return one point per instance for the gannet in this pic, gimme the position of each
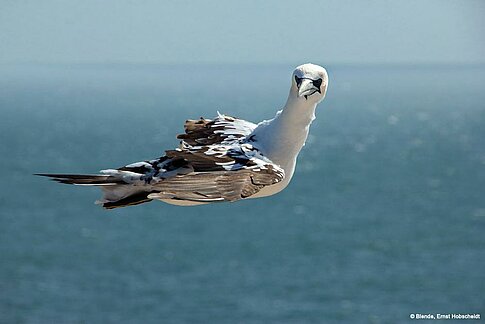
(225, 159)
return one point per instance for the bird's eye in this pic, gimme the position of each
(298, 80)
(317, 83)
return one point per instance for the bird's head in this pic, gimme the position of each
(309, 82)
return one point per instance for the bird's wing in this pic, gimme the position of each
(222, 129)
(207, 173)
(213, 163)
(216, 186)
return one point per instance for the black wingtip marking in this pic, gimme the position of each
(81, 179)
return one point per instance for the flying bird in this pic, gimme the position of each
(218, 160)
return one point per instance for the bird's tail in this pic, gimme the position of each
(117, 192)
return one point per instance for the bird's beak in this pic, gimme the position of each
(307, 88)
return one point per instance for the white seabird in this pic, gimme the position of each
(224, 159)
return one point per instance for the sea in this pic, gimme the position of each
(384, 218)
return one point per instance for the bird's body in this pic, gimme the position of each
(224, 159)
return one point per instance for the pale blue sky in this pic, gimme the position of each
(411, 31)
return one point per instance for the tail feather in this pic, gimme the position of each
(116, 192)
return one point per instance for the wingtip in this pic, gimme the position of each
(83, 179)
(52, 177)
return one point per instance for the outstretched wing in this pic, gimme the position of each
(215, 162)
(222, 129)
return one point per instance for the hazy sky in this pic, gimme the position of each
(242, 31)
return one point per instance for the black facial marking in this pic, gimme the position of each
(298, 81)
(317, 84)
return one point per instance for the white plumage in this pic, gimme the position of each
(225, 159)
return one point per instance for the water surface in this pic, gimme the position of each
(384, 217)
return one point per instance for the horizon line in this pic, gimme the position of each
(168, 64)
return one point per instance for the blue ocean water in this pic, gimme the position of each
(385, 215)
